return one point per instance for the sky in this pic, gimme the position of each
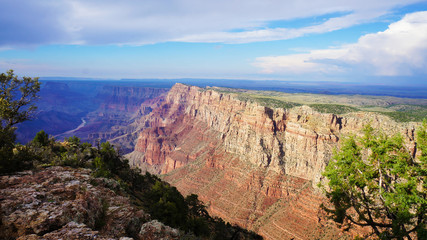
(360, 41)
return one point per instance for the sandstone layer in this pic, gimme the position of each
(253, 165)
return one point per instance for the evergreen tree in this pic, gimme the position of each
(17, 104)
(375, 181)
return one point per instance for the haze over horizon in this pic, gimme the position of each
(370, 42)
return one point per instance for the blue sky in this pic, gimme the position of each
(296, 40)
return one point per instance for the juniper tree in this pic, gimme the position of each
(375, 181)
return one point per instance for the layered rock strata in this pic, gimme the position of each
(114, 120)
(126, 99)
(253, 165)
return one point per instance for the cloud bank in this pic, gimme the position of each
(128, 22)
(401, 50)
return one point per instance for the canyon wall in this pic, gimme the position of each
(118, 108)
(252, 165)
(126, 99)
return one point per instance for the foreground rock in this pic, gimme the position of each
(156, 230)
(66, 203)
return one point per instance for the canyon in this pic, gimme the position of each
(255, 162)
(113, 120)
(253, 165)
(93, 111)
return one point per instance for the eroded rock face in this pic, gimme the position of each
(114, 119)
(65, 203)
(253, 165)
(126, 99)
(296, 142)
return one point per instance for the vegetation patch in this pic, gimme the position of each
(267, 101)
(406, 113)
(399, 109)
(333, 108)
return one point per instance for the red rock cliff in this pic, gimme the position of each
(253, 165)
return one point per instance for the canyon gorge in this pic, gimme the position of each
(254, 162)
(252, 165)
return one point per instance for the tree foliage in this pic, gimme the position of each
(375, 181)
(17, 98)
(17, 104)
(41, 139)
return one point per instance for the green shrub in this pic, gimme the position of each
(101, 169)
(41, 139)
(167, 204)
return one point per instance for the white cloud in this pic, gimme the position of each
(399, 50)
(140, 22)
(272, 34)
(300, 63)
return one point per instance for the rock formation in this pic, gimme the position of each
(253, 165)
(66, 203)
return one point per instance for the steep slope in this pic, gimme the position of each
(254, 165)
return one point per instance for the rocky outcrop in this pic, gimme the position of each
(66, 203)
(156, 230)
(253, 165)
(70, 231)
